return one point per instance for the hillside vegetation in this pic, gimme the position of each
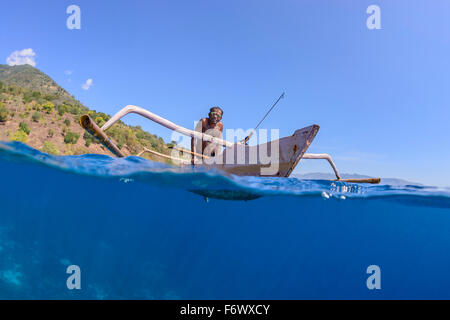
(37, 111)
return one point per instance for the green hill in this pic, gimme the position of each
(35, 110)
(32, 79)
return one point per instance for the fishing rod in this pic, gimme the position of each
(245, 141)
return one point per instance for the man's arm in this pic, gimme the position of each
(198, 128)
(219, 148)
(192, 150)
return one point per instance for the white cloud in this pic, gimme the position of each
(25, 56)
(68, 72)
(87, 85)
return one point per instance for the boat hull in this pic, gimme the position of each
(277, 158)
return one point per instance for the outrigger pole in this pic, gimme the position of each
(87, 123)
(327, 157)
(184, 161)
(190, 152)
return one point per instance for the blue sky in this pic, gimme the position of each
(381, 97)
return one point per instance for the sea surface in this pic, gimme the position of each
(143, 230)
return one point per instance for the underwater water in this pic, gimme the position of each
(143, 230)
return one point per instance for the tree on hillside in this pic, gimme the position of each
(48, 107)
(20, 136)
(100, 121)
(71, 137)
(36, 116)
(3, 113)
(62, 109)
(50, 148)
(24, 127)
(88, 139)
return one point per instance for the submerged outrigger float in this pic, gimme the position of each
(236, 158)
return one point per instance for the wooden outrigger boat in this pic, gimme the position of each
(237, 158)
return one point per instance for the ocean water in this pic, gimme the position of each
(143, 230)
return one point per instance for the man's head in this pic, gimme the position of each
(215, 115)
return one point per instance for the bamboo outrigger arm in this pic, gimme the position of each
(184, 161)
(326, 157)
(166, 123)
(204, 156)
(88, 124)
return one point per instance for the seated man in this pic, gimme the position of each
(211, 126)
